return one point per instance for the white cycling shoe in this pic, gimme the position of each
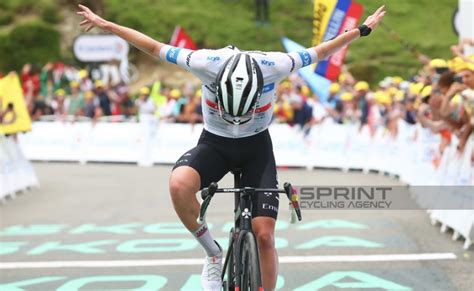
(211, 272)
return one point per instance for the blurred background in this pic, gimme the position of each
(90, 128)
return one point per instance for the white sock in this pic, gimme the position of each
(204, 237)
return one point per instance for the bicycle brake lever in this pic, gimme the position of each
(209, 191)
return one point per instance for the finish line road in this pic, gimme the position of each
(109, 227)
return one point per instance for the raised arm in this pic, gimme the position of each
(136, 38)
(329, 47)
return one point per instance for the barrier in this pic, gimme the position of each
(412, 155)
(16, 173)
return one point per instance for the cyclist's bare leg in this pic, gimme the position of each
(264, 229)
(184, 183)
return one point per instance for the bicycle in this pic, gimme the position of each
(242, 263)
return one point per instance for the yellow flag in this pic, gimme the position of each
(11, 94)
(322, 13)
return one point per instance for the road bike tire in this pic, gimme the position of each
(230, 264)
(251, 279)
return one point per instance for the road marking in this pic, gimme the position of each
(199, 261)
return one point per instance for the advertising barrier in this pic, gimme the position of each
(412, 155)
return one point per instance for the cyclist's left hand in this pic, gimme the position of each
(373, 20)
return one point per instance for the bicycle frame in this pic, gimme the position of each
(242, 219)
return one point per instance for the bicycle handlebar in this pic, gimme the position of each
(208, 193)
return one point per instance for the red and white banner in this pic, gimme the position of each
(181, 39)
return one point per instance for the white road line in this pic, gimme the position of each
(184, 262)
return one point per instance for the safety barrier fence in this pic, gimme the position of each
(412, 155)
(16, 172)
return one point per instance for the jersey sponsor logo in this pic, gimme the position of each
(305, 58)
(188, 59)
(172, 55)
(267, 88)
(213, 59)
(267, 63)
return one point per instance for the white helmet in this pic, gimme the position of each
(239, 85)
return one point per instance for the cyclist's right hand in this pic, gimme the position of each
(91, 19)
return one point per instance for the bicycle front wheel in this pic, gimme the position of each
(250, 278)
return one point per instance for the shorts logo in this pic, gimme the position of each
(172, 55)
(267, 63)
(267, 206)
(305, 58)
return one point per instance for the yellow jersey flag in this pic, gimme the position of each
(13, 112)
(322, 13)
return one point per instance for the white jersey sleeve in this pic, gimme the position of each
(203, 63)
(287, 63)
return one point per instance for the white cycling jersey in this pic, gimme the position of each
(205, 65)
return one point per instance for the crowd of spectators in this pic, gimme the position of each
(440, 97)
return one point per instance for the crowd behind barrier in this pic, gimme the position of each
(419, 129)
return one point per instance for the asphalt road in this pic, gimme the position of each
(112, 227)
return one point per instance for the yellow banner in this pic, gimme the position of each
(13, 112)
(322, 13)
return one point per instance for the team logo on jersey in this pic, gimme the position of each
(267, 88)
(188, 59)
(213, 59)
(305, 58)
(267, 63)
(172, 55)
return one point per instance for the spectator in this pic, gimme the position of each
(362, 88)
(90, 104)
(103, 96)
(75, 101)
(144, 103)
(40, 108)
(59, 105)
(46, 80)
(262, 14)
(84, 82)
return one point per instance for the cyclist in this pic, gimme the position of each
(237, 98)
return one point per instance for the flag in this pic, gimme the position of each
(322, 13)
(11, 94)
(336, 61)
(181, 39)
(333, 28)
